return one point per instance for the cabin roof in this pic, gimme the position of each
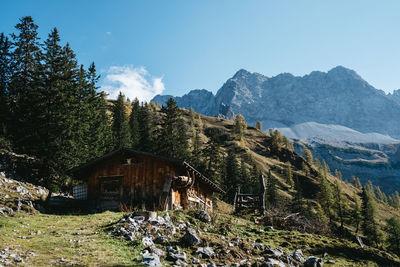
(183, 163)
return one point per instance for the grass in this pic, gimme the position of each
(81, 240)
(84, 240)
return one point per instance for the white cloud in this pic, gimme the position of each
(132, 82)
(108, 33)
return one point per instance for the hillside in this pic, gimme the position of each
(337, 109)
(256, 147)
(35, 239)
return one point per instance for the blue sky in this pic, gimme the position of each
(148, 47)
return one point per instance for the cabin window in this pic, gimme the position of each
(110, 188)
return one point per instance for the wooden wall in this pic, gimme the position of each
(142, 181)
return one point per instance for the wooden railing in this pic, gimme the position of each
(251, 201)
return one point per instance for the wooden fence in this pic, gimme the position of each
(251, 201)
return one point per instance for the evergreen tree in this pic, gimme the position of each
(289, 175)
(325, 197)
(305, 168)
(393, 237)
(147, 128)
(317, 163)
(231, 177)
(239, 126)
(340, 203)
(370, 188)
(356, 214)
(5, 76)
(369, 224)
(308, 155)
(120, 126)
(173, 140)
(380, 195)
(25, 64)
(134, 124)
(338, 174)
(358, 183)
(272, 194)
(259, 125)
(100, 138)
(213, 159)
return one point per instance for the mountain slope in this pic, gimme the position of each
(339, 97)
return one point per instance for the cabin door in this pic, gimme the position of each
(110, 192)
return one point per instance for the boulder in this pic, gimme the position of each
(151, 259)
(203, 216)
(190, 238)
(205, 252)
(313, 262)
(273, 263)
(298, 255)
(147, 241)
(177, 256)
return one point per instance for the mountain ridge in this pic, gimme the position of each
(339, 96)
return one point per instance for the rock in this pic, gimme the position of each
(173, 250)
(177, 256)
(151, 259)
(166, 217)
(157, 251)
(180, 262)
(195, 260)
(258, 246)
(190, 238)
(205, 252)
(212, 264)
(161, 240)
(298, 255)
(330, 261)
(274, 253)
(203, 216)
(147, 241)
(313, 262)
(130, 236)
(230, 244)
(273, 263)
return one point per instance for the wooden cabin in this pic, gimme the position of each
(135, 179)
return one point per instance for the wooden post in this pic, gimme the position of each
(262, 195)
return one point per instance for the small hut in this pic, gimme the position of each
(142, 180)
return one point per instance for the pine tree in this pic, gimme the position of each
(259, 125)
(338, 174)
(134, 124)
(25, 63)
(272, 194)
(358, 183)
(231, 177)
(147, 129)
(120, 126)
(370, 188)
(172, 137)
(369, 224)
(305, 168)
(340, 203)
(379, 194)
(100, 135)
(325, 197)
(5, 76)
(356, 214)
(289, 175)
(393, 237)
(308, 155)
(239, 126)
(213, 159)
